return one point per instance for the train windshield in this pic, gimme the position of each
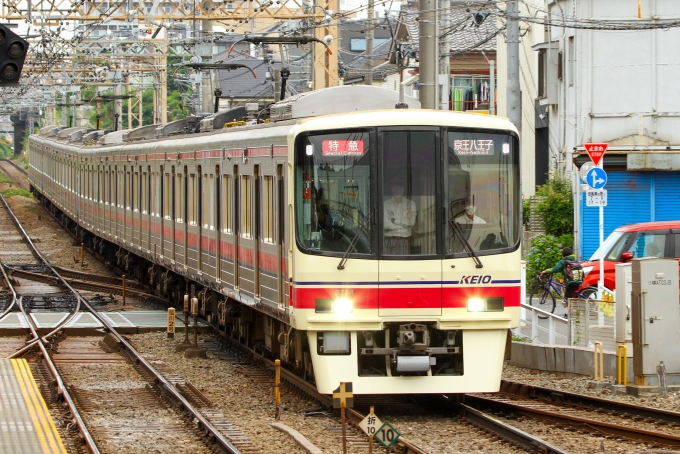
(384, 192)
(483, 191)
(333, 192)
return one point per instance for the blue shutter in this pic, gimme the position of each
(628, 202)
(667, 196)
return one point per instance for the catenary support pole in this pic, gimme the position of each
(428, 50)
(512, 39)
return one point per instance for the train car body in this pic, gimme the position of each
(378, 247)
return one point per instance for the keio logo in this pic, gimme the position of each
(475, 279)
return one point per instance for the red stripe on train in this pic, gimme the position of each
(405, 297)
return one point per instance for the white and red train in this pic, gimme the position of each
(355, 241)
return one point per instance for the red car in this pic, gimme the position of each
(647, 239)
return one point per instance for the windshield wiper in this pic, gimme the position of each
(456, 228)
(350, 248)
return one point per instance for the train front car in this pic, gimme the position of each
(406, 259)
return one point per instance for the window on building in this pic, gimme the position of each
(359, 44)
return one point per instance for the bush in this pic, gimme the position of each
(545, 252)
(526, 212)
(556, 207)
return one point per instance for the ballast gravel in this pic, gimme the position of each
(250, 405)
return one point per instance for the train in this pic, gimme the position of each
(346, 231)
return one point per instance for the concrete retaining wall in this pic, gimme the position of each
(563, 359)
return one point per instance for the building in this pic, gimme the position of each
(615, 87)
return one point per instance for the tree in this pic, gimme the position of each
(555, 207)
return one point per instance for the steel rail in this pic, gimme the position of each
(222, 442)
(17, 166)
(515, 435)
(628, 432)
(61, 389)
(589, 402)
(91, 277)
(12, 176)
(406, 446)
(41, 259)
(80, 284)
(11, 287)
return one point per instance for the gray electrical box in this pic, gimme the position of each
(655, 308)
(624, 287)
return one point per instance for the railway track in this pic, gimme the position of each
(214, 427)
(652, 426)
(493, 427)
(15, 172)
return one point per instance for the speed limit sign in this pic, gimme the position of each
(387, 435)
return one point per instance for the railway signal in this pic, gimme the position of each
(13, 51)
(343, 397)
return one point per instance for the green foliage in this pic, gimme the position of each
(6, 150)
(545, 252)
(23, 159)
(176, 110)
(517, 338)
(526, 212)
(5, 179)
(16, 191)
(556, 207)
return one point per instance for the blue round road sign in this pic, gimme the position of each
(596, 178)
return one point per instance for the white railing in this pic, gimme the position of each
(550, 324)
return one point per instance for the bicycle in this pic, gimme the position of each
(546, 300)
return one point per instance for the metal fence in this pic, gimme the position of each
(592, 321)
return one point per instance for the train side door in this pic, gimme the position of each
(409, 223)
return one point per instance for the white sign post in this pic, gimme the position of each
(596, 152)
(370, 425)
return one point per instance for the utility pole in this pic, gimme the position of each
(325, 68)
(206, 55)
(368, 79)
(444, 52)
(513, 95)
(427, 29)
(117, 102)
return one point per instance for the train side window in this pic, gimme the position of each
(141, 190)
(268, 209)
(128, 191)
(145, 195)
(116, 177)
(167, 196)
(246, 200)
(134, 194)
(226, 203)
(208, 208)
(192, 199)
(178, 199)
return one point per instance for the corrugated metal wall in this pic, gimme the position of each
(630, 198)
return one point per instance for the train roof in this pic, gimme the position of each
(353, 106)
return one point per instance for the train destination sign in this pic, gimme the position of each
(596, 151)
(343, 148)
(471, 147)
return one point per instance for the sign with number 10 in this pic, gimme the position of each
(387, 435)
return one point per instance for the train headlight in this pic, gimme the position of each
(342, 306)
(475, 305)
(485, 305)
